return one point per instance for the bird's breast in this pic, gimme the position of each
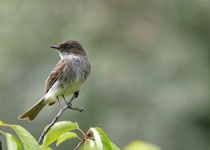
(72, 79)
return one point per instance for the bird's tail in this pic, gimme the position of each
(32, 112)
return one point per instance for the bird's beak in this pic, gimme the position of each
(55, 47)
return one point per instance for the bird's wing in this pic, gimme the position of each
(56, 73)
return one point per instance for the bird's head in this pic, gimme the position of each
(70, 48)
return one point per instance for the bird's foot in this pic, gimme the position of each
(69, 104)
(76, 94)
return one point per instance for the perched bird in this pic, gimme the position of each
(65, 79)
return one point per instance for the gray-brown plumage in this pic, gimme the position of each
(65, 79)
(60, 67)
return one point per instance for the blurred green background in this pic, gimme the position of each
(150, 62)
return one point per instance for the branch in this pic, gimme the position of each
(80, 143)
(68, 106)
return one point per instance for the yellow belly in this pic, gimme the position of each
(66, 90)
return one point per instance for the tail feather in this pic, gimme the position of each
(32, 112)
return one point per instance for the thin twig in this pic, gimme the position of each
(68, 106)
(86, 136)
(80, 143)
(83, 133)
(51, 124)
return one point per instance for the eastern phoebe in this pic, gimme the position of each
(65, 79)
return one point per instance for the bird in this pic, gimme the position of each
(65, 79)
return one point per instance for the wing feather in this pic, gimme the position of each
(56, 73)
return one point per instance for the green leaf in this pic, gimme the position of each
(29, 142)
(141, 145)
(12, 142)
(66, 136)
(42, 147)
(104, 139)
(114, 147)
(97, 138)
(2, 124)
(88, 145)
(57, 130)
(98, 141)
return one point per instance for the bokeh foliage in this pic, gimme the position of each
(150, 66)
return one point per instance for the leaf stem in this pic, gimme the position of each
(83, 133)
